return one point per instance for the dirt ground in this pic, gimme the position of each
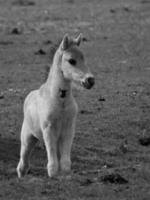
(111, 150)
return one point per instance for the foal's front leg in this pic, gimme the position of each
(65, 145)
(50, 140)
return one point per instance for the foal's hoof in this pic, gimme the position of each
(65, 166)
(52, 170)
(21, 170)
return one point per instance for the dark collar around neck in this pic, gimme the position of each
(62, 93)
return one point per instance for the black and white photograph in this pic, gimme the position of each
(74, 100)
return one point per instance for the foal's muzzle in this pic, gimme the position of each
(89, 82)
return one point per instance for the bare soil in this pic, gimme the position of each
(111, 150)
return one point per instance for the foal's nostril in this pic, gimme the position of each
(91, 81)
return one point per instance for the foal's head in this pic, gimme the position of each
(72, 62)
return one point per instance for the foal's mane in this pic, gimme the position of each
(51, 54)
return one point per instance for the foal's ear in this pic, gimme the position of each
(78, 39)
(65, 43)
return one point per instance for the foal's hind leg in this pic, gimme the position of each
(28, 141)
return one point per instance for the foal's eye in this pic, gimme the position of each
(72, 61)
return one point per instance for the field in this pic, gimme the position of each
(111, 149)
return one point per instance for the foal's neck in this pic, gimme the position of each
(58, 86)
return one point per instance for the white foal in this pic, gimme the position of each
(50, 112)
